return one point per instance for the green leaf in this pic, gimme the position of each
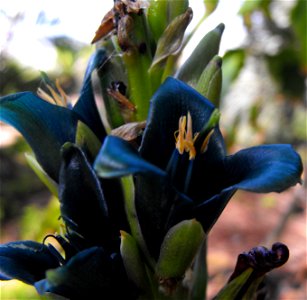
(207, 48)
(41, 174)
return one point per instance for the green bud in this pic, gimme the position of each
(210, 81)
(210, 6)
(157, 17)
(207, 48)
(177, 8)
(178, 249)
(162, 12)
(133, 261)
(172, 37)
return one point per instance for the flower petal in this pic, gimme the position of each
(209, 211)
(89, 273)
(86, 107)
(264, 169)
(26, 261)
(118, 158)
(83, 206)
(173, 100)
(261, 169)
(45, 126)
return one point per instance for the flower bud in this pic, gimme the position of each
(177, 252)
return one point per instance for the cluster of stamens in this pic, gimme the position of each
(185, 140)
(184, 136)
(58, 97)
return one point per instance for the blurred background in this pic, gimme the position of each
(263, 101)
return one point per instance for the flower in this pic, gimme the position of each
(91, 209)
(251, 267)
(182, 170)
(46, 126)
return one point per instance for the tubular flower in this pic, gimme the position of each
(47, 122)
(190, 176)
(87, 204)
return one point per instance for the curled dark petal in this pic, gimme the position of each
(261, 259)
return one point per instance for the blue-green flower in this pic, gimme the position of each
(91, 209)
(89, 262)
(47, 126)
(182, 170)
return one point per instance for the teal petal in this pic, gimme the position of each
(265, 169)
(88, 275)
(26, 261)
(86, 106)
(45, 126)
(118, 158)
(260, 169)
(83, 207)
(173, 100)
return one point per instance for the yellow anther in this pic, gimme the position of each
(64, 96)
(43, 95)
(184, 137)
(180, 139)
(57, 97)
(205, 143)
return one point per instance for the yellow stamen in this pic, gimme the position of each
(180, 140)
(42, 94)
(57, 97)
(184, 139)
(64, 96)
(204, 146)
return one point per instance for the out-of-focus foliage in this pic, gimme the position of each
(272, 64)
(15, 77)
(17, 290)
(44, 218)
(281, 45)
(17, 181)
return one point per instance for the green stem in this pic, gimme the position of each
(128, 188)
(137, 59)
